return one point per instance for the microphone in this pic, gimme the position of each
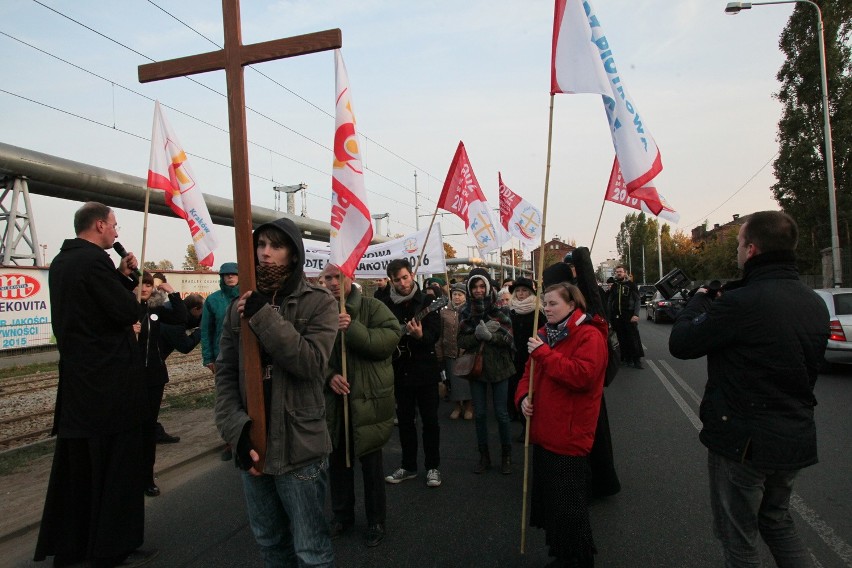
(122, 252)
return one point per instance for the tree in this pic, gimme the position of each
(449, 251)
(164, 264)
(802, 190)
(190, 261)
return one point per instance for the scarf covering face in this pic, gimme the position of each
(522, 307)
(556, 332)
(272, 280)
(485, 309)
(398, 298)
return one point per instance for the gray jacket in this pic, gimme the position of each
(298, 337)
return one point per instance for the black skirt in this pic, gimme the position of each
(95, 503)
(559, 505)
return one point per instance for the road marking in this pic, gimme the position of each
(681, 382)
(814, 521)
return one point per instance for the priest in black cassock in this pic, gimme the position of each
(94, 508)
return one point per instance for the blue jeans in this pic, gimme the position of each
(747, 501)
(499, 394)
(287, 519)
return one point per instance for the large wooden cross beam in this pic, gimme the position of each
(232, 58)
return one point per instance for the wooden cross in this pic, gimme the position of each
(232, 58)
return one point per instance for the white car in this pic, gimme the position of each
(839, 303)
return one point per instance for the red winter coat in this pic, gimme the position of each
(568, 385)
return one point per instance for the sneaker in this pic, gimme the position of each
(375, 534)
(402, 474)
(433, 478)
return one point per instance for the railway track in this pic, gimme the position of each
(27, 402)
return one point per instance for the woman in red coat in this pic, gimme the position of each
(570, 355)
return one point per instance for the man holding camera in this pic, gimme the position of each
(764, 338)
(624, 308)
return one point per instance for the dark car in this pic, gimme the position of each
(646, 292)
(659, 309)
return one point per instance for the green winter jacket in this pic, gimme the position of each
(371, 340)
(212, 316)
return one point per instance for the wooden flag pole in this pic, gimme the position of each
(232, 58)
(342, 284)
(535, 327)
(423, 248)
(144, 242)
(591, 248)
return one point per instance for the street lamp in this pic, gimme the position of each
(734, 8)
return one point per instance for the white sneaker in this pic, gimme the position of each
(433, 478)
(401, 475)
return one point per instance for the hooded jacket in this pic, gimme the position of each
(297, 338)
(213, 315)
(498, 360)
(764, 341)
(370, 342)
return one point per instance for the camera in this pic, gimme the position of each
(672, 283)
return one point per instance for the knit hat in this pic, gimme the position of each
(522, 283)
(458, 287)
(556, 273)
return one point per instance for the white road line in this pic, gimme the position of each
(820, 527)
(684, 406)
(681, 382)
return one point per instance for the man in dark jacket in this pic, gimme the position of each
(416, 374)
(624, 305)
(94, 507)
(764, 339)
(370, 333)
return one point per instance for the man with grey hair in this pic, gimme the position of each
(764, 339)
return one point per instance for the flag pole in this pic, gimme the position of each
(342, 284)
(595, 236)
(425, 240)
(144, 243)
(539, 280)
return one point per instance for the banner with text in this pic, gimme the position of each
(375, 261)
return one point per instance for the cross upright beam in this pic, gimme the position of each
(232, 59)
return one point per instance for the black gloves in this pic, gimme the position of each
(254, 303)
(243, 457)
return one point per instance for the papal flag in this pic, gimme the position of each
(463, 197)
(169, 171)
(351, 224)
(646, 198)
(582, 62)
(519, 217)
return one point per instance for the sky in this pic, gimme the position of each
(423, 77)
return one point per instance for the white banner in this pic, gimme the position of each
(375, 261)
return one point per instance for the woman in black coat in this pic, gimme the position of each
(157, 305)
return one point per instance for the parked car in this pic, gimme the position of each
(646, 292)
(839, 303)
(659, 309)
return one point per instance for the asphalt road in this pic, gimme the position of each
(661, 518)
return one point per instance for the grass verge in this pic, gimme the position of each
(191, 401)
(12, 372)
(12, 461)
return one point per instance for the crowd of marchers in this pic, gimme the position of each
(342, 371)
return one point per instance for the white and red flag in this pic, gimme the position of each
(169, 171)
(351, 224)
(519, 217)
(646, 198)
(582, 62)
(463, 196)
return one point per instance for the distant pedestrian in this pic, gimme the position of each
(447, 350)
(624, 306)
(215, 308)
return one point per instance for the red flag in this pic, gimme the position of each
(463, 197)
(645, 198)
